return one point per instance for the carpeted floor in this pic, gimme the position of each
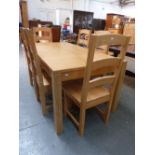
(37, 135)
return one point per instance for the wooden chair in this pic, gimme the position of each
(84, 37)
(42, 34)
(23, 37)
(29, 60)
(41, 83)
(94, 91)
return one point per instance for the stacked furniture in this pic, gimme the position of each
(129, 30)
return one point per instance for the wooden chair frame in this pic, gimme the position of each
(41, 88)
(110, 77)
(103, 47)
(101, 32)
(26, 50)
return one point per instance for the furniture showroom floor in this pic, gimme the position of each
(37, 134)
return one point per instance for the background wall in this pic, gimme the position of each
(36, 6)
(128, 11)
(47, 10)
(101, 9)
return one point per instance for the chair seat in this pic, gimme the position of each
(73, 88)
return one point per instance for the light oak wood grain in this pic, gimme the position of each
(26, 50)
(24, 13)
(65, 56)
(100, 32)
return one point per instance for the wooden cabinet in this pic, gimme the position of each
(109, 21)
(98, 24)
(56, 33)
(114, 23)
(24, 13)
(129, 30)
(35, 23)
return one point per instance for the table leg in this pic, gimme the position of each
(119, 86)
(57, 102)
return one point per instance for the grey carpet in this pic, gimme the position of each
(37, 135)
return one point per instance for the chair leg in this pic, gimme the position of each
(107, 113)
(82, 121)
(37, 91)
(31, 78)
(43, 103)
(65, 104)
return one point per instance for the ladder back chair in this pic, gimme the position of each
(84, 37)
(26, 50)
(42, 84)
(30, 62)
(42, 34)
(93, 91)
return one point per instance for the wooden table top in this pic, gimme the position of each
(64, 56)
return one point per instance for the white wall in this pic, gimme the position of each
(79, 4)
(47, 10)
(34, 6)
(101, 9)
(128, 11)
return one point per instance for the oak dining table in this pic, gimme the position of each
(64, 61)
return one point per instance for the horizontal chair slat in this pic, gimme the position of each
(101, 81)
(106, 63)
(111, 39)
(42, 37)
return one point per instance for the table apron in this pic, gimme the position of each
(74, 74)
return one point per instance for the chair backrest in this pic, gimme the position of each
(101, 32)
(34, 57)
(25, 43)
(111, 66)
(84, 37)
(42, 33)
